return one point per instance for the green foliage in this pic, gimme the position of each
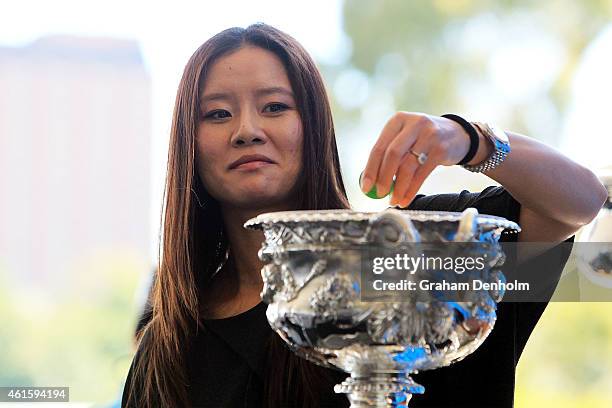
(568, 358)
(81, 338)
(443, 66)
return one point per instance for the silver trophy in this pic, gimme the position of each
(312, 283)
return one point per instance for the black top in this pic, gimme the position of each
(234, 348)
(226, 366)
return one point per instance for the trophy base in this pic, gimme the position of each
(381, 390)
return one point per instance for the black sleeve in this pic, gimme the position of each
(136, 391)
(493, 200)
(496, 200)
(515, 321)
(551, 264)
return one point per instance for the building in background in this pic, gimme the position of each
(75, 131)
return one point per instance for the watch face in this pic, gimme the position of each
(498, 133)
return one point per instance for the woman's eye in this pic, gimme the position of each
(218, 114)
(276, 107)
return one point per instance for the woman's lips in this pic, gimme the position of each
(252, 165)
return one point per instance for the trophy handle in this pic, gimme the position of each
(468, 225)
(391, 228)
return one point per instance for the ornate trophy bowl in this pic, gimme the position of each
(312, 283)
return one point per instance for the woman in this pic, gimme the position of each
(252, 132)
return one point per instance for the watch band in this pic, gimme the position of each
(500, 144)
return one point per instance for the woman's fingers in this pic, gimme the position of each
(393, 143)
(370, 173)
(392, 156)
(408, 168)
(403, 178)
(397, 152)
(421, 173)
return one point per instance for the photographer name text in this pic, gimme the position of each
(443, 285)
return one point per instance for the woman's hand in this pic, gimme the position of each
(557, 195)
(404, 137)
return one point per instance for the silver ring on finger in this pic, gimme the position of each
(421, 157)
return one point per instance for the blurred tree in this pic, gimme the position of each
(82, 340)
(454, 55)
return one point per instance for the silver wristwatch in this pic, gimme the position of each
(500, 142)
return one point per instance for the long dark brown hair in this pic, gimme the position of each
(193, 242)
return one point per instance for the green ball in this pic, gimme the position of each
(373, 193)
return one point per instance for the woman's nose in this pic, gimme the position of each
(249, 132)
